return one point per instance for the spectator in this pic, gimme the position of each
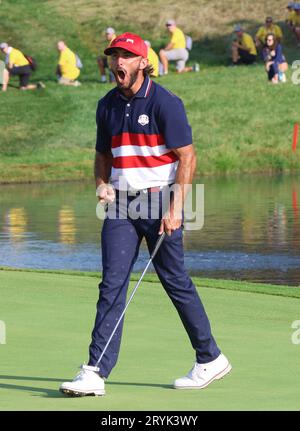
(102, 60)
(153, 60)
(290, 14)
(175, 50)
(295, 26)
(17, 65)
(269, 27)
(275, 62)
(243, 47)
(67, 70)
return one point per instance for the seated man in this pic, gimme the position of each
(243, 47)
(290, 15)
(153, 60)
(269, 27)
(295, 24)
(102, 60)
(67, 70)
(175, 49)
(16, 65)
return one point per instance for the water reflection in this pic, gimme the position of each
(251, 229)
(15, 224)
(66, 225)
(277, 226)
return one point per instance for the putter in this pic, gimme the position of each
(157, 245)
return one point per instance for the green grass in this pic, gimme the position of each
(243, 286)
(49, 317)
(240, 122)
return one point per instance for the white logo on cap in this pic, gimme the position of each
(130, 40)
(143, 120)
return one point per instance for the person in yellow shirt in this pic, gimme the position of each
(290, 15)
(17, 65)
(296, 22)
(175, 50)
(243, 47)
(103, 61)
(153, 60)
(67, 70)
(264, 30)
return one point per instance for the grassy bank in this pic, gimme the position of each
(240, 123)
(243, 286)
(49, 316)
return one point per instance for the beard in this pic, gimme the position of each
(133, 77)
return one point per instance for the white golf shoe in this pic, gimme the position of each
(201, 375)
(87, 382)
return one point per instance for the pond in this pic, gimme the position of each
(251, 229)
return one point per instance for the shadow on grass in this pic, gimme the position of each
(54, 393)
(44, 379)
(51, 393)
(149, 385)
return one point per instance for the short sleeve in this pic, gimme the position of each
(103, 139)
(62, 59)
(279, 32)
(259, 33)
(173, 123)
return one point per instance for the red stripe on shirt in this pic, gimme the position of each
(139, 139)
(143, 162)
(148, 88)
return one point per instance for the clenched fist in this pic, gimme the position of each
(106, 194)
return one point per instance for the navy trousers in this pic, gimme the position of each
(274, 70)
(121, 240)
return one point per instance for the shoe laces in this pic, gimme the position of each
(81, 374)
(196, 371)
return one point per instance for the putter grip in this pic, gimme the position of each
(157, 245)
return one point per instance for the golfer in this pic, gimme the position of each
(144, 145)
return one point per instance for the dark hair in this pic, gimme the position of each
(148, 70)
(275, 42)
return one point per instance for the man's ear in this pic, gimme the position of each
(143, 63)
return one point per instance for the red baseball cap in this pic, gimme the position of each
(130, 42)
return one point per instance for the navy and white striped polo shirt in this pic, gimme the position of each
(141, 133)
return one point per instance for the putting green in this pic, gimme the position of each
(49, 318)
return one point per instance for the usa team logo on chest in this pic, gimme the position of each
(143, 120)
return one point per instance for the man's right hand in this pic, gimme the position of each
(106, 194)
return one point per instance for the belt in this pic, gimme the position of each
(153, 189)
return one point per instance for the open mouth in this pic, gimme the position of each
(121, 74)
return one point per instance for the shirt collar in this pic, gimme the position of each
(145, 88)
(143, 92)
